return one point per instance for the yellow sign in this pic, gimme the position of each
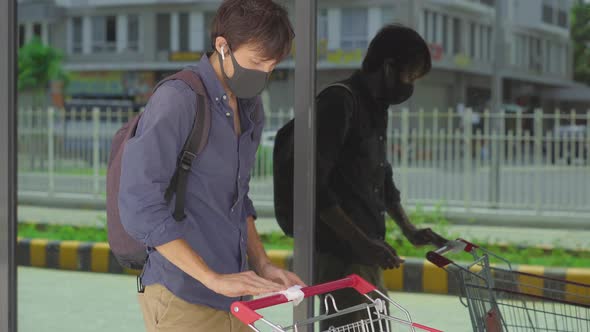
(337, 56)
(185, 56)
(462, 60)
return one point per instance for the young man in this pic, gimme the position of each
(197, 267)
(355, 184)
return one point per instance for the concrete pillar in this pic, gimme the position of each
(122, 33)
(86, 35)
(375, 21)
(174, 32)
(334, 21)
(45, 33)
(197, 30)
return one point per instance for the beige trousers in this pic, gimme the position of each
(165, 312)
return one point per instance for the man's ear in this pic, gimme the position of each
(219, 43)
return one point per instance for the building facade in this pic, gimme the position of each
(119, 49)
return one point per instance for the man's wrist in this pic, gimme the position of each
(261, 265)
(208, 278)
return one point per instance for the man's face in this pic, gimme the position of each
(248, 56)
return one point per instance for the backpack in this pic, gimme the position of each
(129, 252)
(284, 165)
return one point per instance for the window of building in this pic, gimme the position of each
(322, 23)
(354, 28)
(425, 24)
(163, 32)
(133, 32)
(387, 15)
(547, 13)
(457, 36)
(21, 35)
(446, 42)
(490, 3)
(209, 16)
(104, 33)
(434, 28)
(562, 18)
(472, 39)
(37, 30)
(184, 31)
(77, 35)
(482, 42)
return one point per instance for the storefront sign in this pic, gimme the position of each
(185, 56)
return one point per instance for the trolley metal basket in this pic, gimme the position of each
(500, 299)
(380, 320)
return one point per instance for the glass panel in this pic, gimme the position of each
(103, 61)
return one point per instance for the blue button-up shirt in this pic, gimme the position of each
(217, 202)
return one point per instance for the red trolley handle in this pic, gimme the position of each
(245, 311)
(437, 258)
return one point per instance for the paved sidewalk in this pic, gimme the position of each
(565, 237)
(50, 300)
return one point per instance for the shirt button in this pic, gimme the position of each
(376, 190)
(228, 114)
(224, 97)
(216, 99)
(382, 164)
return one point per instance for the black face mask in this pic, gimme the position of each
(388, 88)
(245, 83)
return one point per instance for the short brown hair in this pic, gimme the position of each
(261, 22)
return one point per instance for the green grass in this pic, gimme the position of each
(532, 256)
(62, 232)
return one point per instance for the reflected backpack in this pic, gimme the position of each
(283, 168)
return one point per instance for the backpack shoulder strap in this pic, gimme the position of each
(350, 90)
(194, 144)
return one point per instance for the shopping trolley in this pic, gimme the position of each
(379, 319)
(500, 299)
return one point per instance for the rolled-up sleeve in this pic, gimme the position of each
(148, 163)
(249, 209)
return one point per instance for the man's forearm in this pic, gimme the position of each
(342, 225)
(180, 253)
(398, 214)
(256, 253)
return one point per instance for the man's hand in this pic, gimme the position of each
(378, 252)
(241, 284)
(425, 236)
(274, 273)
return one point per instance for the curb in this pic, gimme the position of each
(415, 275)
